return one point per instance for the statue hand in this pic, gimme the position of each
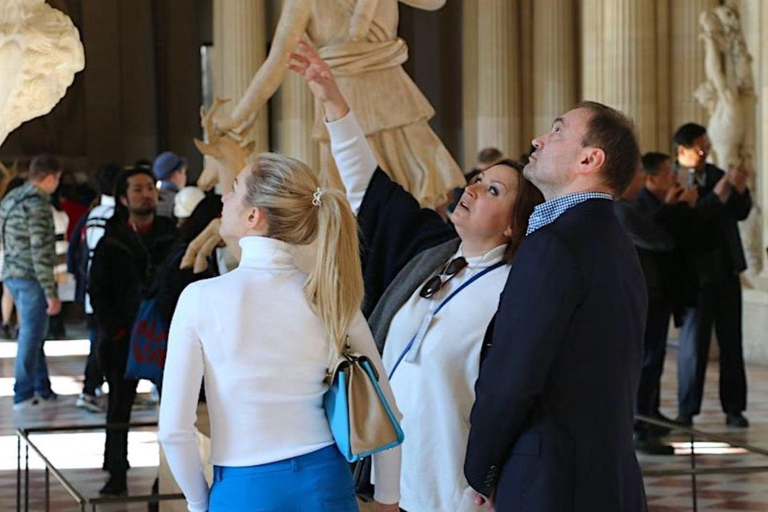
(201, 247)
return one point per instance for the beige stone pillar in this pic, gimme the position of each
(293, 111)
(554, 65)
(592, 62)
(621, 69)
(239, 46)
(296, 117)
(469, 81)
(498, 76)
(629, 77)
(686, 62)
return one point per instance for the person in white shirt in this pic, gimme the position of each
(442, 291)
(263, 336)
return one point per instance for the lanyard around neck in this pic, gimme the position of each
(425, 323)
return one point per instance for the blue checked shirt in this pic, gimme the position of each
(549, 211)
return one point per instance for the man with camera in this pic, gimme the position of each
(718, 259)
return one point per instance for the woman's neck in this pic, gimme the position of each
(475, 248)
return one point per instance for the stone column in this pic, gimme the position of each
(239, 42)
(293, 115)
(686, 62)
(592, 61)
(498, 76)
(469, 82)
(294, 125)
(554, 65)
(621, 69)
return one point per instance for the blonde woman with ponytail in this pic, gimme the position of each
(263, 336)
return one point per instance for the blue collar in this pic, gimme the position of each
(547, 212)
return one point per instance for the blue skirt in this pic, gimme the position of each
(316, 482)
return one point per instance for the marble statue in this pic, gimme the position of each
(40, 52)
(728, 94)
(358, 39)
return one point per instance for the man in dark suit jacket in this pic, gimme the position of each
(724, 199)
(551, 428)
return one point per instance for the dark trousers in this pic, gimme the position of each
(122, 391)
(656, 329)
(718, 304)
(94, 377)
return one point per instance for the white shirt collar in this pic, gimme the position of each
(486, 260)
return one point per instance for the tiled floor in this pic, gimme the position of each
(79, 454)
(716, 493)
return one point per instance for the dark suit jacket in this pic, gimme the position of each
(719, 255)
(551, 428)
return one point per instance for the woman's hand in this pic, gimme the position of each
(381, 507)
(319, 78)
(481, 500)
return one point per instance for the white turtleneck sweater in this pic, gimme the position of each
(264, 355)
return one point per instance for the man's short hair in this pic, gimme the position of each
(687, 134)
(43, 165)
(652, 160)
(106, 177)
(614, 133)
(489, 155)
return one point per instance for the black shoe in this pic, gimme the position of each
(736, 420)
(651, 445)
(684, 420)
(7, 333)
(116, 485)
(658, 430)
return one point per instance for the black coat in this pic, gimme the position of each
(393, 229)
(551, 428)
(123, 268)
(718, 254)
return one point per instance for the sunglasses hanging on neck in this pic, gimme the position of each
(436, 282)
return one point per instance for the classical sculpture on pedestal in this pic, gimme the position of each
(728, 94)
(358, 39)
(40, 52)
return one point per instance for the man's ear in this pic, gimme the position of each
(591, 161)
(124, 201)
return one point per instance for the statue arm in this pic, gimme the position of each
(427, 5)
(293, 22)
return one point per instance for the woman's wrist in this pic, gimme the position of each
(335, 110)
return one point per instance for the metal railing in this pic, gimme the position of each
(693, 471)
(22, 436)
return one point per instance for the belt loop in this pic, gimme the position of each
(217, 473)
(295, 465)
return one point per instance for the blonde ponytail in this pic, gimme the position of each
(298, 213)
(335, 285)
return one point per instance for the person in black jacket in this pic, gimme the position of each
(724, 199)
(171, 279)
(551, 428)
(657, 214)
(135, 242)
